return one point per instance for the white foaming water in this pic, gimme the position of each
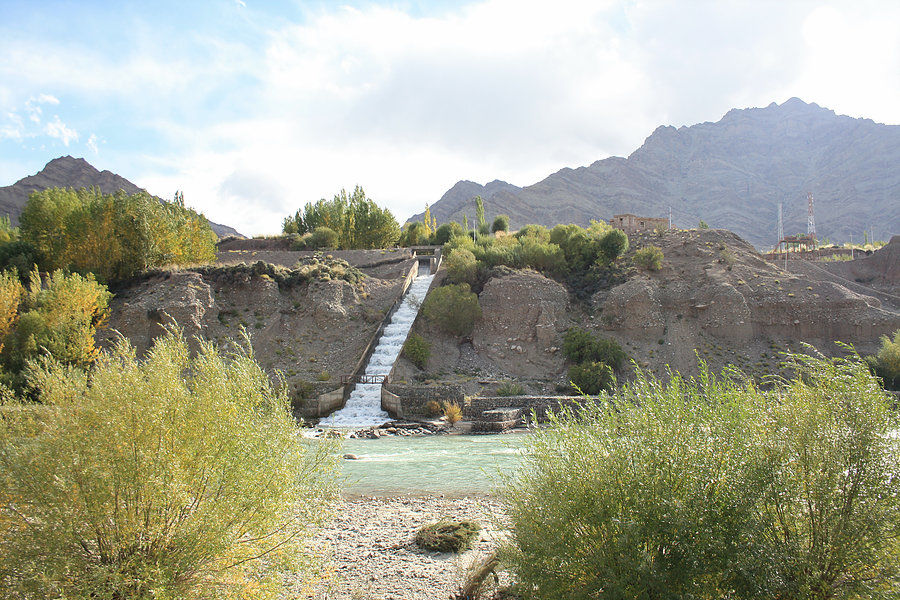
(363, 407)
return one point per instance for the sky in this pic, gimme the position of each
(254, 108)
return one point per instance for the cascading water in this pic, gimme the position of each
(363, 407)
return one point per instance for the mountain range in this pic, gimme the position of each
(732, 174)
(70, 172)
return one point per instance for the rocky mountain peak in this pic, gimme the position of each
(731, 173)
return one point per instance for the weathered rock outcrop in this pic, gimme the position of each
(523, 317)
(309, 330)
(714, 291)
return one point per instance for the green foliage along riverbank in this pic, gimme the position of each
(171, 477)
(713, 488)
(113, 236)
(57, 315)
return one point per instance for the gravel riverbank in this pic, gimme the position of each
(369, 553)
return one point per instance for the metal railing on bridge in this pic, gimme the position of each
(381, 379)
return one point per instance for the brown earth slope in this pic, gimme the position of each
(715, 298)
(312, 331)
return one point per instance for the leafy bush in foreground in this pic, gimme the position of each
(167, 478)
(712, 488)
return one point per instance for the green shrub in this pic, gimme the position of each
(461, 266)
(501, 223)
(415, 234)
(508, 388)
(18, 256)
(581, 346)
(537, 232)
(59, 315)
(542, 256)
(453, 308)
(417, 349)
(323, 376)
(484, 229)
(447, 536)
(446, 231)
(712, 488)
(614, 244)
(592, 377)
(649, 258)
(322, 238)
(886, 363)
(164, 478)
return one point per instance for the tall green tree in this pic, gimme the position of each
(113, 236)
(358, 220)
(479, 212)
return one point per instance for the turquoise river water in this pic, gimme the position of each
(441, 464)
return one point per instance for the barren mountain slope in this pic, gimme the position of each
(731, 173)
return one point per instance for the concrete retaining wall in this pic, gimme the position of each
(321, 405)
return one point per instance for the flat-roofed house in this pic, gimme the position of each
(632, 223)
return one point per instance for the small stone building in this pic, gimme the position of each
(632, 223)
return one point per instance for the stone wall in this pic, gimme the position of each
(408, 401)
(404, 401)
(539, 404)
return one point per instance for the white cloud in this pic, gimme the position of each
(33, 106)
(407, 105)
(13, 127)
(59, 130)
(92, 144)
(46, 99)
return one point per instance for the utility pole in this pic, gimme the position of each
(780, 227)
(670, 217)
(811, 219)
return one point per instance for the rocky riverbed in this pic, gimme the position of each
(369, 552)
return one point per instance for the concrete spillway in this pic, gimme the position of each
(363, 407)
